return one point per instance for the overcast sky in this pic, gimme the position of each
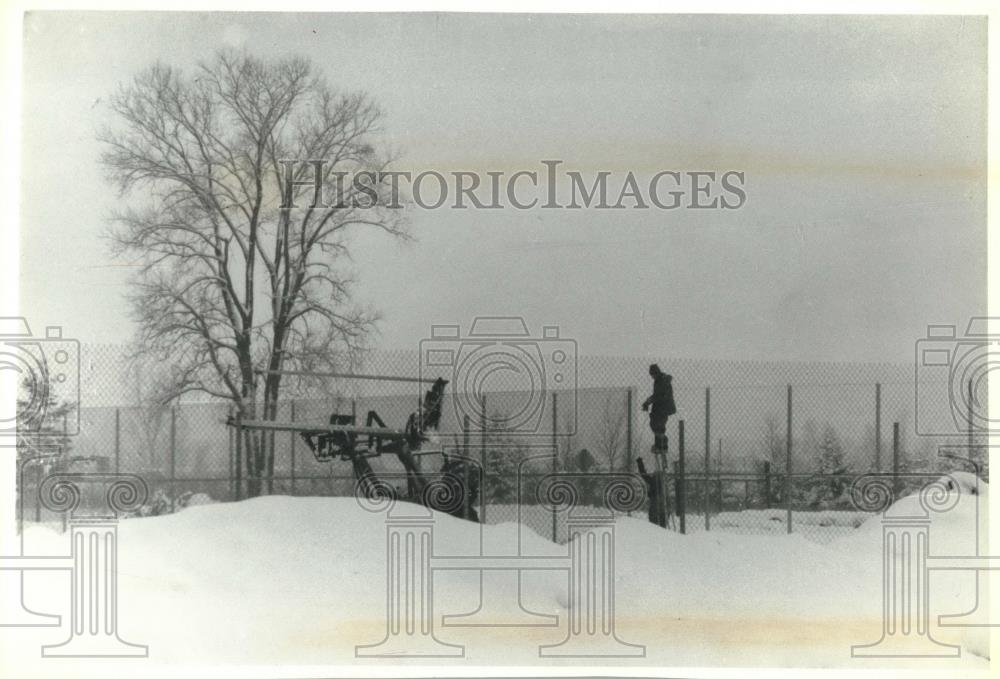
(863, 141)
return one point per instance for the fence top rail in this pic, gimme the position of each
(318, 428)
(350, 376)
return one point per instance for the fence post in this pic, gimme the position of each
(468, 463)
(232, 487)
(173, 456)
(788, 460)
(660, 458)
(681, 489)
(767, 484)
(118, 440)
(708, 448)
(238, 435)
(482, 463)
(628, 433)
(878, 426)
(555, 457)
(896, 490)
(291, 439)
(718, 466)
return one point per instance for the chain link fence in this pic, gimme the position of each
(754, 448)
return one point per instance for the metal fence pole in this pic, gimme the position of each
(718, 466)
(555, 457)
(232, 484)
(628, 432)
(681, 489)
(708, 448)
(878, 427)
(173, 456)
(466, 453)
(896, 490)
(788, 460)
(291, 451)
(482, 463)
(238, 435)
(767, 484)
(118, 440)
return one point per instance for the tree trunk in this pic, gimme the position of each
(252, 446)
(272, 384)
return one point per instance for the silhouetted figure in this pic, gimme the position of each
(653, 487)
(433, 402)
(417, 426)
(660, 405)
(429, 417)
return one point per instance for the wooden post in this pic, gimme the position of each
(291, 443)
(878, 427)
(660, 459)
(788, 460)
(555, 458)
(708, 447)
(681, 489)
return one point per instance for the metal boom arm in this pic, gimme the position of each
(353, 376)
(318, 428)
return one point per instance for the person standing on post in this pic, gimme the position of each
(660, 406)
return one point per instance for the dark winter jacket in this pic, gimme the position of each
(662, 400)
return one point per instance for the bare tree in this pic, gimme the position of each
(566, 446)
(230, 283)
(150, 394)
(611, 433)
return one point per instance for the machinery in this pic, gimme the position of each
(454, 489)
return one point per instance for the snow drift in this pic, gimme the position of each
(301, 581)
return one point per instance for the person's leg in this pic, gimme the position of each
(658, 425)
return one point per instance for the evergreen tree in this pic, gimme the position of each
(503, 457)
(829, 491)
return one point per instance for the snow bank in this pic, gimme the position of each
(298, 581)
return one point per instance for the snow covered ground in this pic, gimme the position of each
(299, 582)
(817, 526)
